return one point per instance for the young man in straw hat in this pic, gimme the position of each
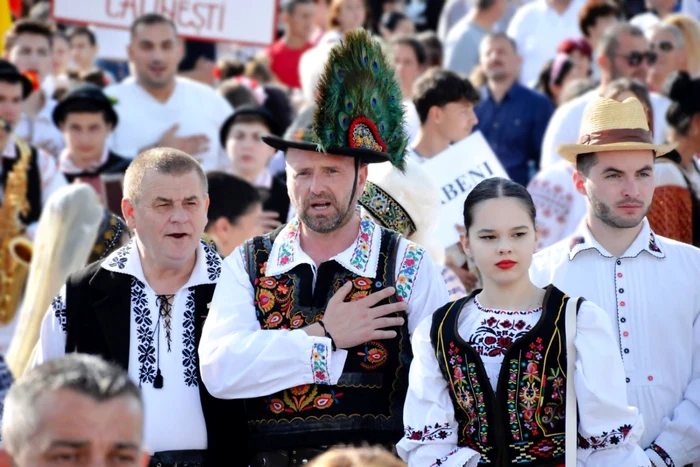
(287, 331)
(646, 283)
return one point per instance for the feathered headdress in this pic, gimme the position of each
(359, 110)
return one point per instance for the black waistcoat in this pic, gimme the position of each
(523, 422)
(33, 183)
(98, 318)
(367, 403)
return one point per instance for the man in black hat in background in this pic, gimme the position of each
(43, 177)
(86, 118)
(241, 136)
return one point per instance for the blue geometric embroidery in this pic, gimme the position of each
(144, 333)
(58, 305)
(189, 351)
(120, 257)
(213, 263)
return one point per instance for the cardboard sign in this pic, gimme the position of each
(237, 21)
(455, 172)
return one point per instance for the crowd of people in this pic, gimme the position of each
(282, 298)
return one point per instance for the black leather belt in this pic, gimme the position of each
(190, 458)
(286, 457)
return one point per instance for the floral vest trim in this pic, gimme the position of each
(367, 403)
(524, 421)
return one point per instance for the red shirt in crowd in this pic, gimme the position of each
(284, 62)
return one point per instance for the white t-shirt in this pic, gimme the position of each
(564, 125)
(197, 108)
(537, 29)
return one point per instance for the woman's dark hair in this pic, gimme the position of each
(493, 188)
(391, 19)
(684, 93)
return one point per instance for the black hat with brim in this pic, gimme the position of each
(367, 156)
(10, 72)
(261, 112)
(85, 92)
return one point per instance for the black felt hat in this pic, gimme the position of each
(85, 92)
(9, 71)
(262, 112)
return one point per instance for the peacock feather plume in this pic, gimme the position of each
(359, 104)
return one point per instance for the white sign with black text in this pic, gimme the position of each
(215, 20)
(455, 172)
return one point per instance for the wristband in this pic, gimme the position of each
(328, 335)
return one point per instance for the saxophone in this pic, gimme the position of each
(15, 250)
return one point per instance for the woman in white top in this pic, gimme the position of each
(488, 383)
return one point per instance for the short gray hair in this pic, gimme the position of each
(162, 160)
(670, 28)
(85, 374)
(610, 42)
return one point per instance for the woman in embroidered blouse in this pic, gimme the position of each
(675, 209)
(512, 320)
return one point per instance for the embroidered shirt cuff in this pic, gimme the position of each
(460, 457)
(658, 456)
(321, 358)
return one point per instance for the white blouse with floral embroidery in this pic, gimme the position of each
(608, 424)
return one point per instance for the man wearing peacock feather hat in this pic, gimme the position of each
(287, 331)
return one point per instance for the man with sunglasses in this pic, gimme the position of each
(623, 52)
(667, 41)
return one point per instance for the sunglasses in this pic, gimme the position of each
(664, 46)
(634, 59)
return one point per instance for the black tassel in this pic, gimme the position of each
(158, 382)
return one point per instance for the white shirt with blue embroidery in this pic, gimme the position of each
(652, 297)
(173, 413)
(238, 359)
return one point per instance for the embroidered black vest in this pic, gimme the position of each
(367, 403)
(97, 322)
(33, 184)
(523, 422)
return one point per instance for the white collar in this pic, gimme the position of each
(645, 241)
(67, 166)
(362, 257)
(126, 260)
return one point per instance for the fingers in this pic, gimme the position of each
(388, 322)
(269, 215)
(381, 334)
(387, 309)
(171, 131)
(377, 297)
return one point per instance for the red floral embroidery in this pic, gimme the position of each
(605, 440)
(429, 433)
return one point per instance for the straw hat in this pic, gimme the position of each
(610, 125)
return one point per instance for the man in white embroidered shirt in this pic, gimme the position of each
(143, 308)
(287, 332)
(648, 284)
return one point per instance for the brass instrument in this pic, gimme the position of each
(15, 250)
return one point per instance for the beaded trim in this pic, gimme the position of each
(387, 210)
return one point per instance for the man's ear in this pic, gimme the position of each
(128, 213)
(579, 182)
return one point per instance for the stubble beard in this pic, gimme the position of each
(325, 223)
(603, 212)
